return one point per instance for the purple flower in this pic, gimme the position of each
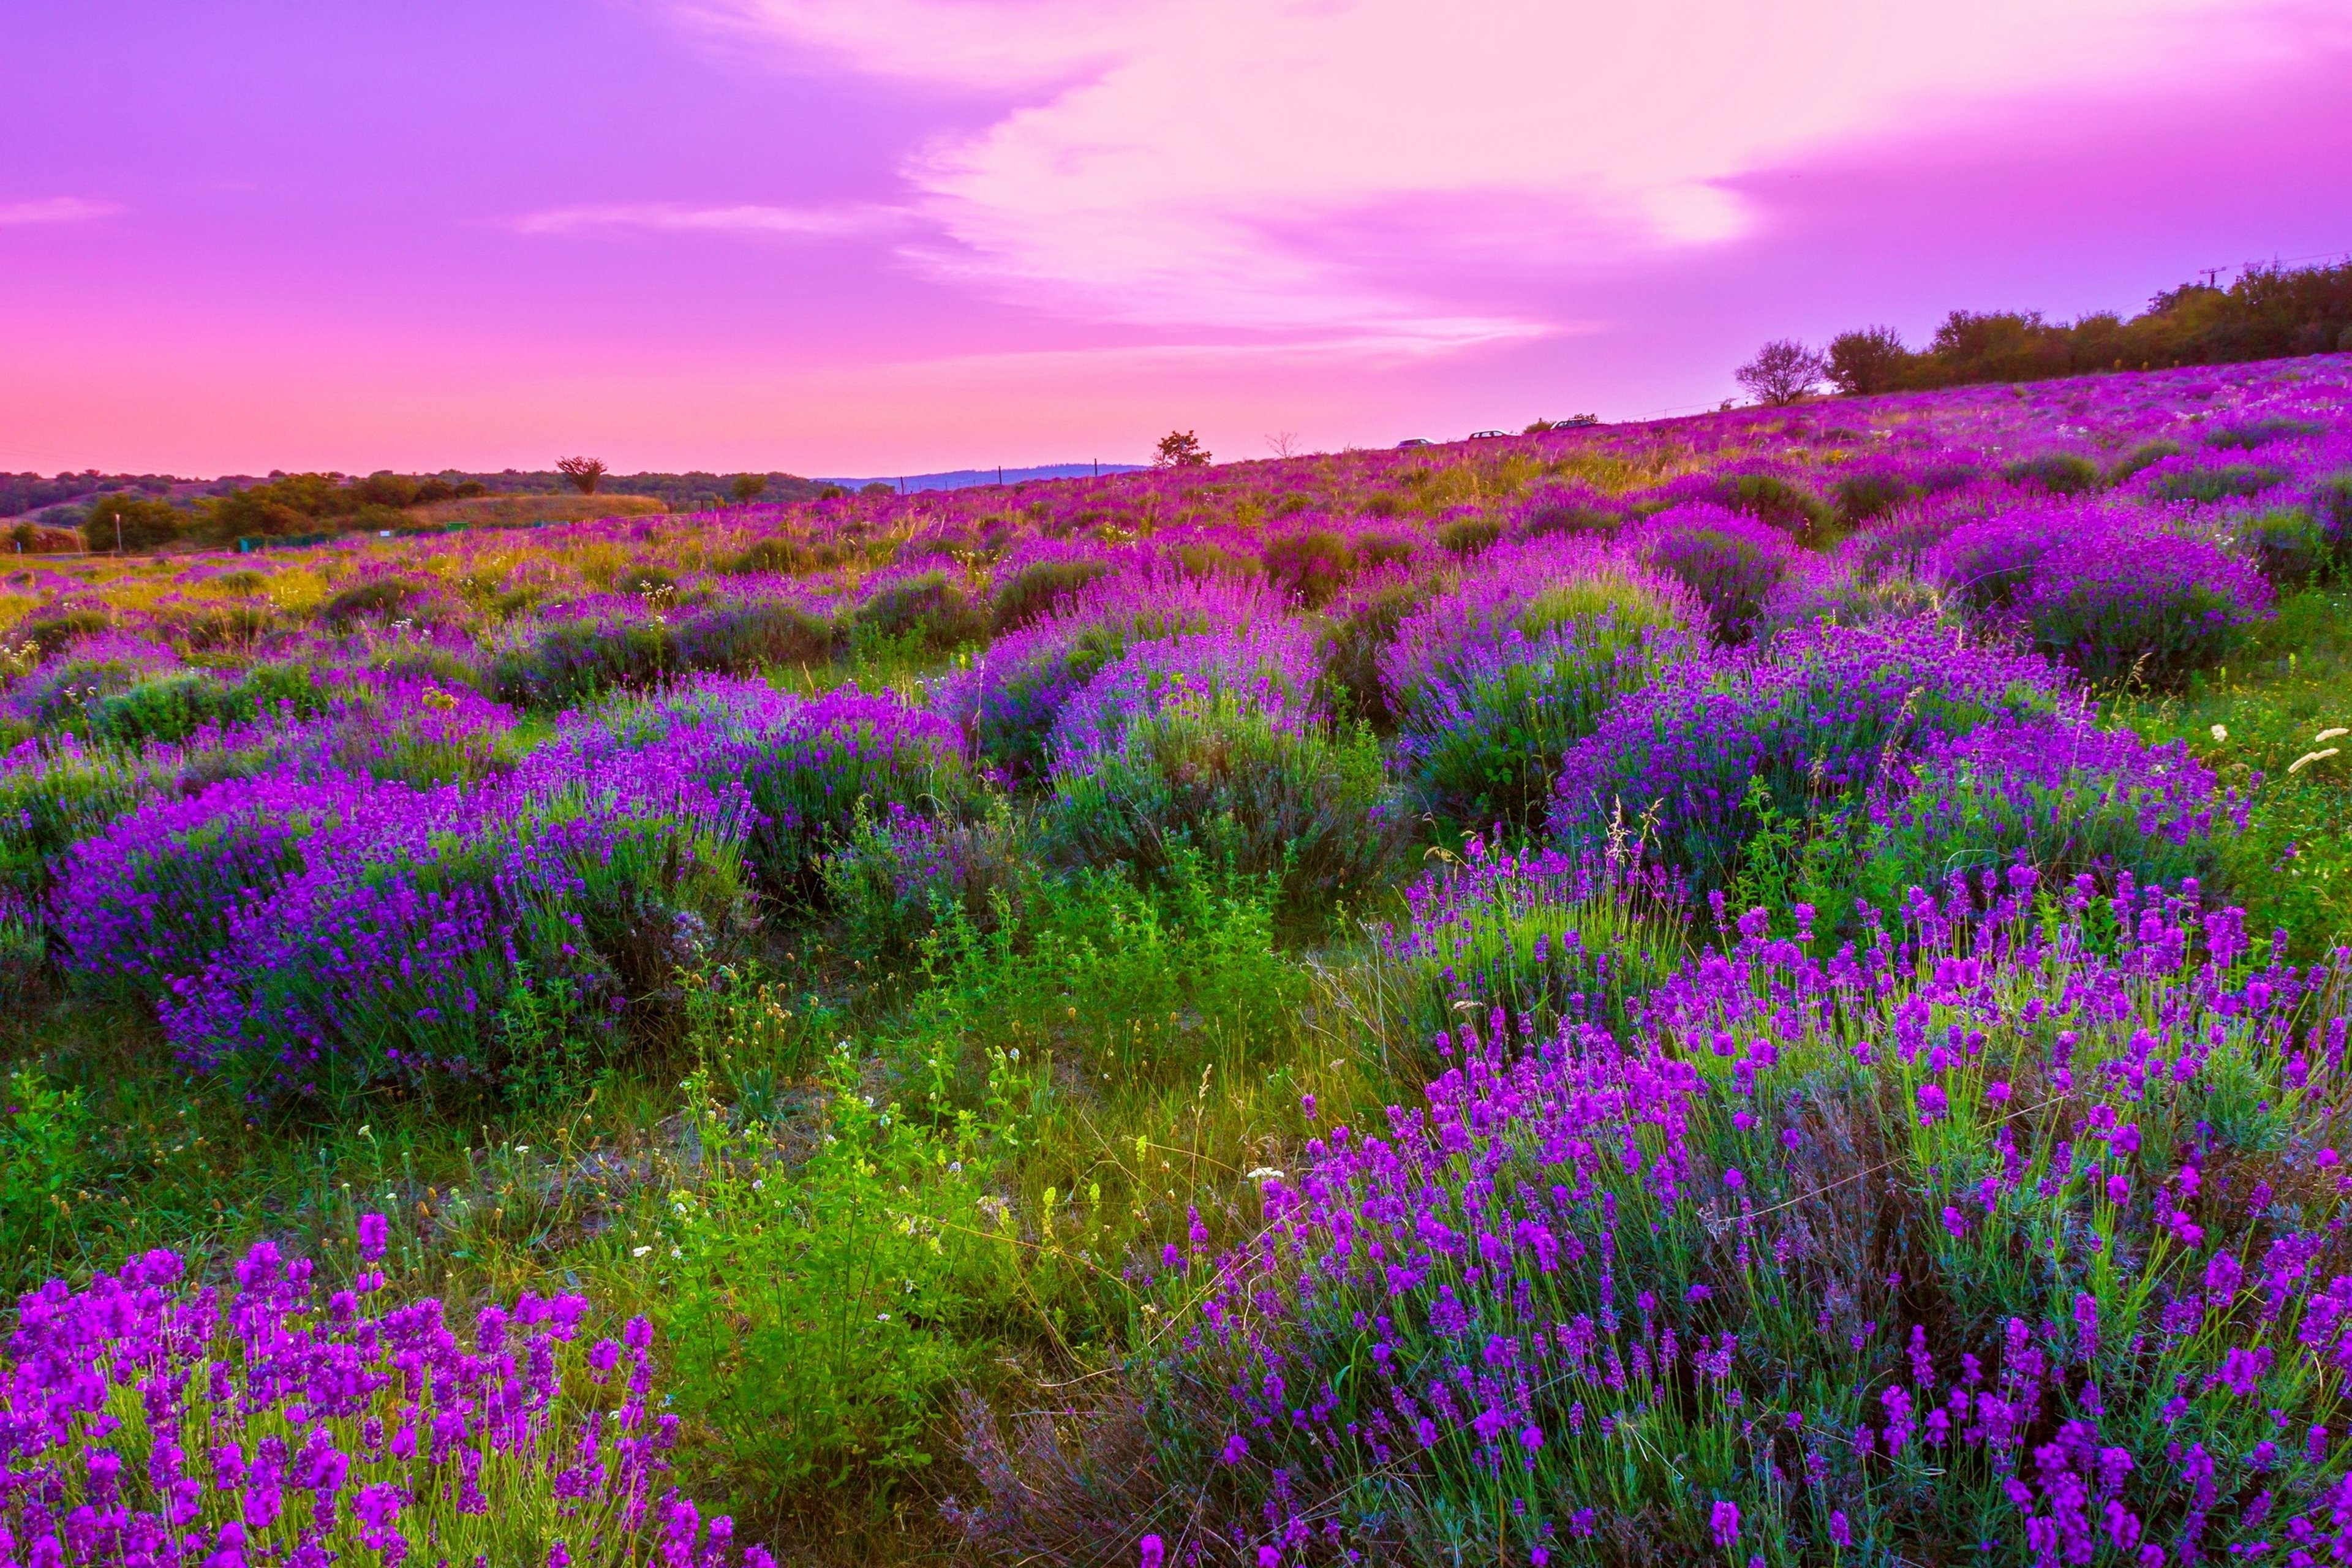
(1723, 1521)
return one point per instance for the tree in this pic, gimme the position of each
(746, 486)
(1870, 359)
(1180, 450)
(1285, 444)
(1784, 371)
(583, 472)
(129, 521)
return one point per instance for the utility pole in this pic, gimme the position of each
(118, 532)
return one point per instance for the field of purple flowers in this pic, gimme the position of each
(1765, 988)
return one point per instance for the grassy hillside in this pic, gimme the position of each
(1760, 986)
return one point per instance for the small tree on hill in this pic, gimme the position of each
(1180, 450)
(1783, 372)
(746, 486)
(1872, 359)
(583, 472)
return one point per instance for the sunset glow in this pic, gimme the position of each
(885, 236)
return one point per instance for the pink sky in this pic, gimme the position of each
(891, 236)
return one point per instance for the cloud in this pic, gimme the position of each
(54, 210)
(811, 223)
(1371, 167)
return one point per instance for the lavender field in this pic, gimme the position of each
(1767, 988)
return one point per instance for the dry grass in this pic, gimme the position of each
(508, 511)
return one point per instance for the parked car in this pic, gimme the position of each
(1412, 441)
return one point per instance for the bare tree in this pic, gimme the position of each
(1784, 371)
(583, 472)
(1284, 444)
(1180, 450)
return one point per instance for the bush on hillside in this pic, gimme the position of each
(1217, 778)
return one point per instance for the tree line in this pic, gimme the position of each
(2269, 312)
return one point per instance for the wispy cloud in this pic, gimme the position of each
(54, 210)
(1368, 168)
(808, 223)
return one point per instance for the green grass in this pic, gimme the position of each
(2292, 868)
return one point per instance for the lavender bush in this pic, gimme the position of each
(2014, 1233)
(147, 1420)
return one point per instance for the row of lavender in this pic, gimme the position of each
(150, 1421)
(2015, 1232)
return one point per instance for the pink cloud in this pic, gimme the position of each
(54, 210)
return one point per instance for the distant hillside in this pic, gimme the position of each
(965, 478)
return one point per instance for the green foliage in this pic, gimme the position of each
(746, 637)
(931, 610)
(2061, 473)
(1467, 536)
(131, 522)
(820, 1309)
(2233, 481)
(43, 1152)
(896, 874)
(1865, 493)
(1040, 588)
(2290, 546)
(1347, 649)
(2147, 454)
(1483, 742)
(1782, 502)
(1220, 779)
(1307, 567)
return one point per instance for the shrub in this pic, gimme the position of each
(50, 629)
(785, 557)
(2055, 793)
(1467, 536)
(583, 657)
(1486, 725)
(816, 1308)
(2151, 605)
(1780, 500)
(807, 772)
(2060, 473)
(1845, 593)
(929, 609)
(518, 1444)
(1863, 493)
(1218, 778)
(1795, 733)
(487, 933)
(378, 599)
(1040, 588)
(2331, 507)
(1729, 560)
(2290, 548)
(1572, 1298)
(1008, 700)
(94, 667)
(744, 636)
(2230, 481)
(1563, 509)
(1269, 665)
(898, 872)
(1308, 567)
(1354, 634)
(2259, 433)
(2147, 455)
(1542, 935)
